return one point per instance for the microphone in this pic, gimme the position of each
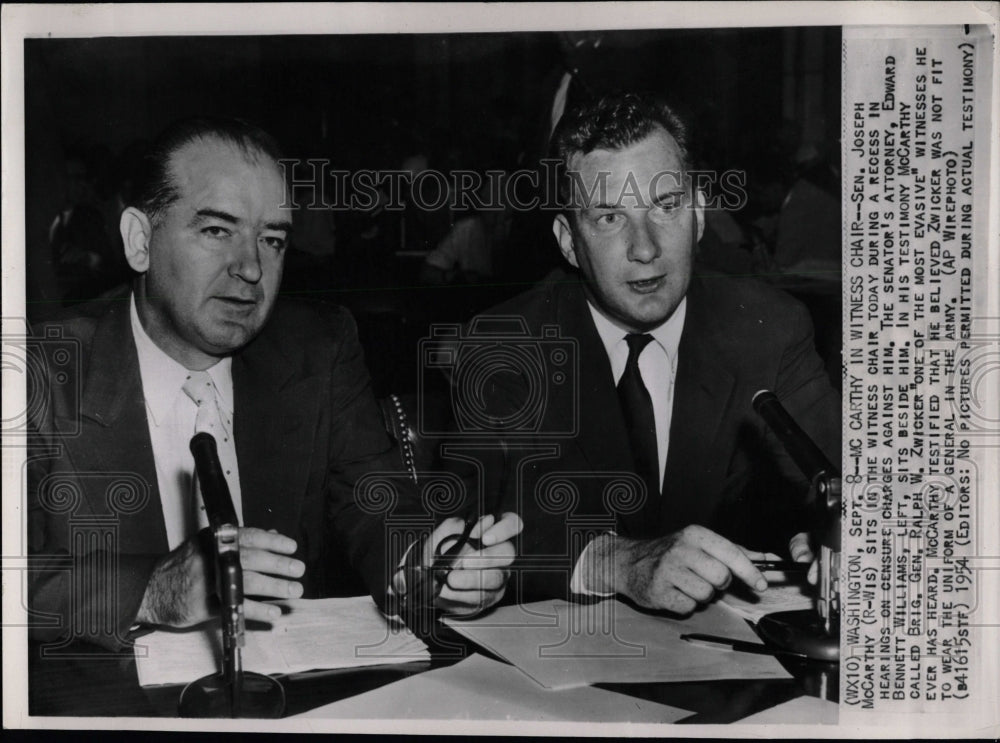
(803, 451)
(792, 629)
(231, 692)
(214, 488)
(229, 571)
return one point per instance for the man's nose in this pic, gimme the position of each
(245, 262)
(641, 246)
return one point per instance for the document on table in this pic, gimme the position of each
(786, 591)
(562, 645)
(804, 710)
(479, 688)
(311, 634)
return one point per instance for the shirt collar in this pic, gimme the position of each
(163, 378)
(667, 334)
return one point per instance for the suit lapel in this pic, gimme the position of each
(116, 443)
(602, 438)
(702, 394)
(275, 424)
(601, 433)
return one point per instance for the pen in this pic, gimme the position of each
(786, 565)
(443, 561)
(738, 645)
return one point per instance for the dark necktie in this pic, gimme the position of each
(637, 407)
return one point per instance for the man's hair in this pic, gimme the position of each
(613, 122)
(154, 188)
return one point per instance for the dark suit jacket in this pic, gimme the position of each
(725, 470)
(307, 427)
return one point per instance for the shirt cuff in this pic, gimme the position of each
(576, 582)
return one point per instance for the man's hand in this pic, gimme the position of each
(478, 578)
(676, 572)
(180, 591)
(799, 549)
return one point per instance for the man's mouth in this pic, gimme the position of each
(647, 286)
(237, 302)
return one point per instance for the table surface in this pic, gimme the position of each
(84, 681)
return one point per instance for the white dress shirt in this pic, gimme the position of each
(658, 367)
(171, 416)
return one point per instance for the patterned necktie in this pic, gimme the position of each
(213, 420)
(637, 407)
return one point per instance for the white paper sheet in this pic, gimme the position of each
(479, 688)
(311, 634)
(786, 592)
(562, 645)
(804, 710)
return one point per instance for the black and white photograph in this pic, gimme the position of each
(569, 369)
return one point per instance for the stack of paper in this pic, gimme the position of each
(482, 689)
(311, 634)
(562, 645)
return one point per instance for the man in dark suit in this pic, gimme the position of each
(646, 472)
(201, 342)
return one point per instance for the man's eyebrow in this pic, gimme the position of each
(668, 196)
(284, 225)
(217, 214)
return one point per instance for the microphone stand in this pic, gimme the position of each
(812, 632)
(233, 692)
(230, 572)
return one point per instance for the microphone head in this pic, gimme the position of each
(761, 398)
(214, 488)
(202, 442)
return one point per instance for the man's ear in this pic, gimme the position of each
(699, 212)
(564, 235)
(136, 233)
